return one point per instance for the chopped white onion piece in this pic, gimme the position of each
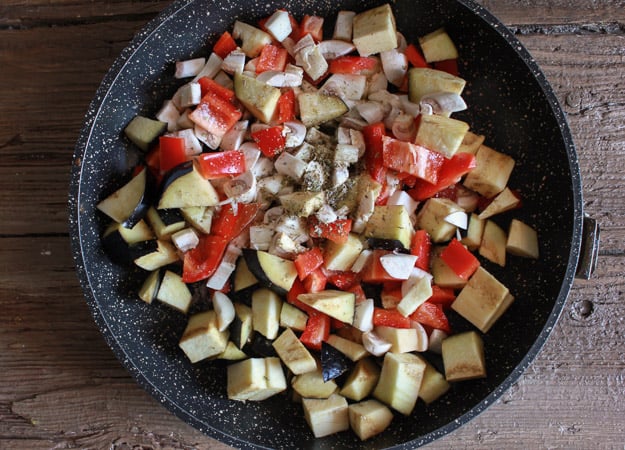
(374, 344)
(224, 80)
(220, 277)
(169, 114)
(422, 336)
(211, 68)
(185, 239)
(404, 199)
(224, 308)
(326, 214)
(458, 218)
(261, 237)
(304, 42)
(340, 174)
(377, 82)
(333, 48)
(279, 25)
(361, 261)
(189, 95)
(234, 62)
(189, 68)
(363, 315)
(398, 265)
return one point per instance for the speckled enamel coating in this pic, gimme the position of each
(509, 101)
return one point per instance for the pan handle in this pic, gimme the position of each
(589, 251)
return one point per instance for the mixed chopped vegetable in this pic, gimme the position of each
(336, 211)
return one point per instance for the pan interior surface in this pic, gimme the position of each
(509, 102)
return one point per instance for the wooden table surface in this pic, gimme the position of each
(61, 386)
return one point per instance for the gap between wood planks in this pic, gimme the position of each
(614, 28)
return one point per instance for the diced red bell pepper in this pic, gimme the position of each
(353, 65)
(432, 315)
(411, 159)
(172, 152)
(359, 292)
(270, 140)
(215, 114)
(221, 164)
(291, 297)
(450, 172)
(271, 57)
(307, 262)
(415, 57)
(286, 106)
(449, 65)
(389, 318)
(312, 25)
(336, 324)
(373, 272)
(442, 296)
(459, 259)
(317, 330)
(224, 45)
(374, 151)
(229, 224)
(343, 280)
(421, 247)
(315, 281)
(201, 262)
(337, 231)
(209, 85)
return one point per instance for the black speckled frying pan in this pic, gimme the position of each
(509, 101)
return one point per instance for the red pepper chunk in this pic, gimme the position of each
(286, 106)
(337, 231)
(421, 247)
(307, 262)
(229, 224)
(415, 57)
(202, 261)
(431, 315)
(442, 296)
(209, 85)
(342, 279)
(271, 57)
(389, 318)
(449, 173)
(270, 140)
(448, 65)
(224, 45)
(221, 164)
(353, 65)
(172, 152)
(373, 272)
(459, 259)
(317, 330)
(215, 114)
(315, 281)
(412, 159)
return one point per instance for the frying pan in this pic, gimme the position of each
(510, 102)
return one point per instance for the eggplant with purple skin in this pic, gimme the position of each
(333, 362)
(185, 187)
(123, 245)
(129, 204)
(273, 272)
(151, 285)
(394, 245)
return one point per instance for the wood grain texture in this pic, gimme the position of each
(60, 385)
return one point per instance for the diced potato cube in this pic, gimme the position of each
(201, 338)
(374, 30)
(441, 134)
(522, 240)
(369, 418)
(463, 357)
(483, 300)
(431, 218)
(437, 46)
(491, 173)
(327, 416)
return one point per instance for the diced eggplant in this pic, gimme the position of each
(361, 380)
(312, 385)
(493, 245)
(326, 416)
(433, 385)
(259, 98)
(337, 304)
(294, 354)
(199, 217)
(266, 307)
(156, 254)
(129, 204)
(165, 222)
(316, 108)
(273, 272)
(342, 256)
(143, 131)
(333, 362)
(174, 292)
(374, 30)
(151, 285)
(463, 357)
(491, 173)
(244, 279)
(390, 222)
(292, 317)
(369, 418)
(255, 379)
(225, 310)
(232, 353)
(123, 245)
(353, 350)
(185, 187)
(260, 346)
(399, 381)
(241, 327)
(522, 240)
(201, 338)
